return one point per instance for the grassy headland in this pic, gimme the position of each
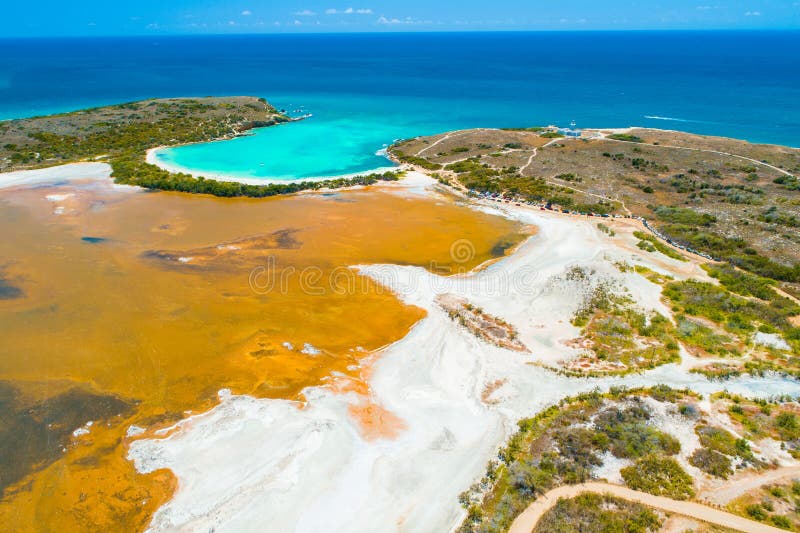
(731, 200)
(122, 134)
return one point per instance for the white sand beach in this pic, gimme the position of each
(250, 464)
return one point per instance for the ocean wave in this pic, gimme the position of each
(688, 120)
(671, 119)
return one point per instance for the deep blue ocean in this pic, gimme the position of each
(366, 90)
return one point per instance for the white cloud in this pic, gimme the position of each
(407, 20)
(753, 14)
(348, 11)
(304, 13)
(246, 13)
(297, 23)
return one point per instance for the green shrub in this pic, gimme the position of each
(787, 426)
(684, 215)
(722, 441)
(630, 437)
(626, 137)
(712, 462)
(741, 282)
(736, 314)
(756, 512)
(651, 243)
(697, 334)
(569, 177)
(605, 229)
(781, 521)
(414, 160)
(730, 249)
(551, 135)
(662, 476)
(595, 513)
(135, 171)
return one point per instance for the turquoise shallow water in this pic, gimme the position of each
(330, 143)
(367, 90)
(346, 134)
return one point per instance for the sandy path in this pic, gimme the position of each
(450, 135)
(738, 487)
(530, 160)
(526, 521)
(443, 138)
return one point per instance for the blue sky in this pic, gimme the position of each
(161, 17)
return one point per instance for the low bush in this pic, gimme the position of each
(659, 475)
(712, 462)
(595, 513)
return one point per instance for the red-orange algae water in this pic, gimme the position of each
(134, 309)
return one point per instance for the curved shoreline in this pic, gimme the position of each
(151, 157)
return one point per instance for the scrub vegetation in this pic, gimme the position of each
(756, 334)
(776, 504)
(565, 443)
(638, 431)
(651, 243)
(778, 419)
(596, 513)
(616, 336)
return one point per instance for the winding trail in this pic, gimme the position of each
(526, 522)
(443, 138)
(450, 135)
(530, 160)
(550, 182)
(738, 487)
(607, 198)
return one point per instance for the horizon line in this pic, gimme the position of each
(408, 32)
